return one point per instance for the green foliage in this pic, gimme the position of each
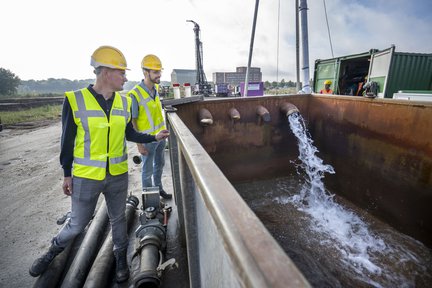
(282, 84)
(32, 114)
(8, 82)
(51, 85)
(58, 86)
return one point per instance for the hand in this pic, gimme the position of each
(67, 186)
(162, 135)
(142, 149)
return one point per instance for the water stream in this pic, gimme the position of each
(333, 242)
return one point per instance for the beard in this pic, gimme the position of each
(155, 80)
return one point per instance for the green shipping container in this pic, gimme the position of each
(393, 71)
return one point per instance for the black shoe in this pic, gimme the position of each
(165, 195)
(122, 269)
(41, 264)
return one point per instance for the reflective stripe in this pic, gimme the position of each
(123, 112)
(89, 162)
(83, 114)
(143, 102)
(117, 160)
(126, 114)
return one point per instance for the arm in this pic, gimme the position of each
(131, 129)
(141, 147)
(137, 137)
(69, 130)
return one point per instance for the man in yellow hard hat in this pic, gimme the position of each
(327, 90)
(96, 121)
(147, 117)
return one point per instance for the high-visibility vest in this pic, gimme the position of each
(99, 140)
(150, 118)
(324, 91)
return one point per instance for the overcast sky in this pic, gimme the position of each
(54, 39)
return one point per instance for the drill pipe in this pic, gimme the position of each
(51, 276)
(101, 269)
(80, 266)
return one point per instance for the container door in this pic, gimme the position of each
(326, 70)
(379, 69)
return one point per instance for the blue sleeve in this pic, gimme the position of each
(134, 109)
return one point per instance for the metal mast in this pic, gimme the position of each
(305, 46)
(201, 86)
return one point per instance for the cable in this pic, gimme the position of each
(277, 53)
(328, 29)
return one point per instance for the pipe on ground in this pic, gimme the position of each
(51, 277)
(81, 264)
(152, 235)
(100, 271)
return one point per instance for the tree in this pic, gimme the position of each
(282, 83)
(9, 82)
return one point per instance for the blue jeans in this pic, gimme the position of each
(84, 199)
(152, 164)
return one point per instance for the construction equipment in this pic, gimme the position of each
(201, 86)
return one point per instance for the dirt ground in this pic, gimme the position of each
(32, 199)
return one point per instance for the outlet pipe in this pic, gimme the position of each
(205, 117)
(234, 114)
(288, 108)
(263, 113)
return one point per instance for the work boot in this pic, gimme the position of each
(164, 194)
(122, 269)
(41, 264)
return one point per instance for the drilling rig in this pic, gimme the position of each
(201, 85)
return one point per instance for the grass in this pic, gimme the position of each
(48, 112)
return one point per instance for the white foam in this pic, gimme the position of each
(350, 235)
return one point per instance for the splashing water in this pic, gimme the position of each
(348, 233)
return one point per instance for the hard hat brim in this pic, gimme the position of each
(96, 64)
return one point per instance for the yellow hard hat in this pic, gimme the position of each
(327, 82)
(151, 62)
(108, 56)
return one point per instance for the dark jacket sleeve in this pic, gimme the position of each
(69, 130)
(137, 137)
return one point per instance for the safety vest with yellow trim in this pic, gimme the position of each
(99, 140)
(150, 118)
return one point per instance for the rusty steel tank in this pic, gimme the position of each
(381, 150)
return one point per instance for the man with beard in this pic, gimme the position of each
(147, 118)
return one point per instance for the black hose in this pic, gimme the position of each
(100, 271)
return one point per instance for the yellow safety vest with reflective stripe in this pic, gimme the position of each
(99, 140)
(150, 118)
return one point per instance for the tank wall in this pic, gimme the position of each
(227, 245)
(248, 148)
(381, 149)
(382, 153)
